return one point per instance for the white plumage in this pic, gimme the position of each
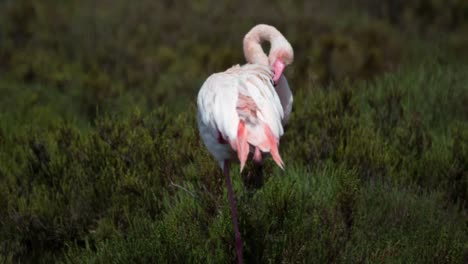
(218, 111)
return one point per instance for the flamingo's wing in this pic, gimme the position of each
(286, 98)
(258, 86)
(217, 117)
(217, 101)
(263, 126)
(241, 107)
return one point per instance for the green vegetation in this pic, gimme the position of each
(101, 162)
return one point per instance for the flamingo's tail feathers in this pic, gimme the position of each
(242, 145)
(268, 143)
(257, 155)
(276, 157)
(272, 144)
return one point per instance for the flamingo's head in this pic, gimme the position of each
(281, 53)
(279, 58)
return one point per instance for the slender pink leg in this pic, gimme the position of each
(233, 213)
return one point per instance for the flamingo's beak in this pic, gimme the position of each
(278, 68)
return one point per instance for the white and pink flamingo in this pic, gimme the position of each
(243, 109)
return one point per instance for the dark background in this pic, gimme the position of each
(100, 158)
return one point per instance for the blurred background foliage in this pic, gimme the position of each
(100, 158)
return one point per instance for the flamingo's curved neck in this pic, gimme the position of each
(253, 51)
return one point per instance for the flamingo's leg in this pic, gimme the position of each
(258, 169)
(233, 212)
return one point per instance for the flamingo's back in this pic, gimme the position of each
(240, 111)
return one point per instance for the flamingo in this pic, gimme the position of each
(243, 110)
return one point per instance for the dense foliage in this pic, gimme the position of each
(100, 158)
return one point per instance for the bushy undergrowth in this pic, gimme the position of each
(101, 162)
